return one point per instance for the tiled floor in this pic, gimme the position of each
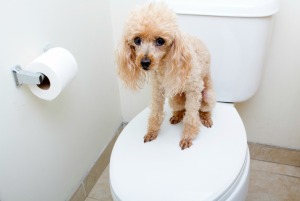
(269, 181)
(101, 190)
(273, 182)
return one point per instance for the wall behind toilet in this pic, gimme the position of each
(272, 115)
(47, 148)
(131, 102)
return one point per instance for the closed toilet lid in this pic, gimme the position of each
(161, 171)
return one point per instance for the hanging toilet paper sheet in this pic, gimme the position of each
(59, 67)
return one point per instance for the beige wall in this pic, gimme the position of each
(47, 148)
(272, 116)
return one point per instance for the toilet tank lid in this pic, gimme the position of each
(229, 8)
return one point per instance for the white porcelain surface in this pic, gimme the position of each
(160, 170)
(237, 47)
(236, 33)
(233, 8)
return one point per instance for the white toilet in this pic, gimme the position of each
(216, 167)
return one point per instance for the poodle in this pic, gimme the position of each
(177, 64)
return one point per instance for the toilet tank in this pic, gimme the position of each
(236, 33)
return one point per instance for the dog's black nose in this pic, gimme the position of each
(145, 62)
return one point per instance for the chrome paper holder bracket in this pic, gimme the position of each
(26, 77)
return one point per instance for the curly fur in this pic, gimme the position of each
(179, 70)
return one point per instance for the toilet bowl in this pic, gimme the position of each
(216, 167)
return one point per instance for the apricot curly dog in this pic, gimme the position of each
(177, 64)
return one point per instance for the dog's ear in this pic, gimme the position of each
(129, 72)
(180, 61)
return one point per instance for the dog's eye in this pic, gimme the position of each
(137, 40)
(159, 41)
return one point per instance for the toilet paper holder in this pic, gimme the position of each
(26, 77)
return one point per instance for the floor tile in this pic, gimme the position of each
(91, 199)
(101, 190)
(79, 195)
(274, 174)
(268, 186)
(274, 154)
(275, 168)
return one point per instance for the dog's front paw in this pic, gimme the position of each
(185, 143)
(150, 136)
(206, 120)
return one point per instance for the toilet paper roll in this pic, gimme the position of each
(59, 67)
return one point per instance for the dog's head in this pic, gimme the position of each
(151, 40)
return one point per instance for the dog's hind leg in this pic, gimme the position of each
(208, 102)
(177, 103)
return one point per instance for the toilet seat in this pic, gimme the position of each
(161, 171)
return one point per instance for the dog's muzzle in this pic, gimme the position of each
(145, 62)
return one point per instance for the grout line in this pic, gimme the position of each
(93, 199)
(273, 146)
(295, 166)
(276, 173)
(276, 168)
